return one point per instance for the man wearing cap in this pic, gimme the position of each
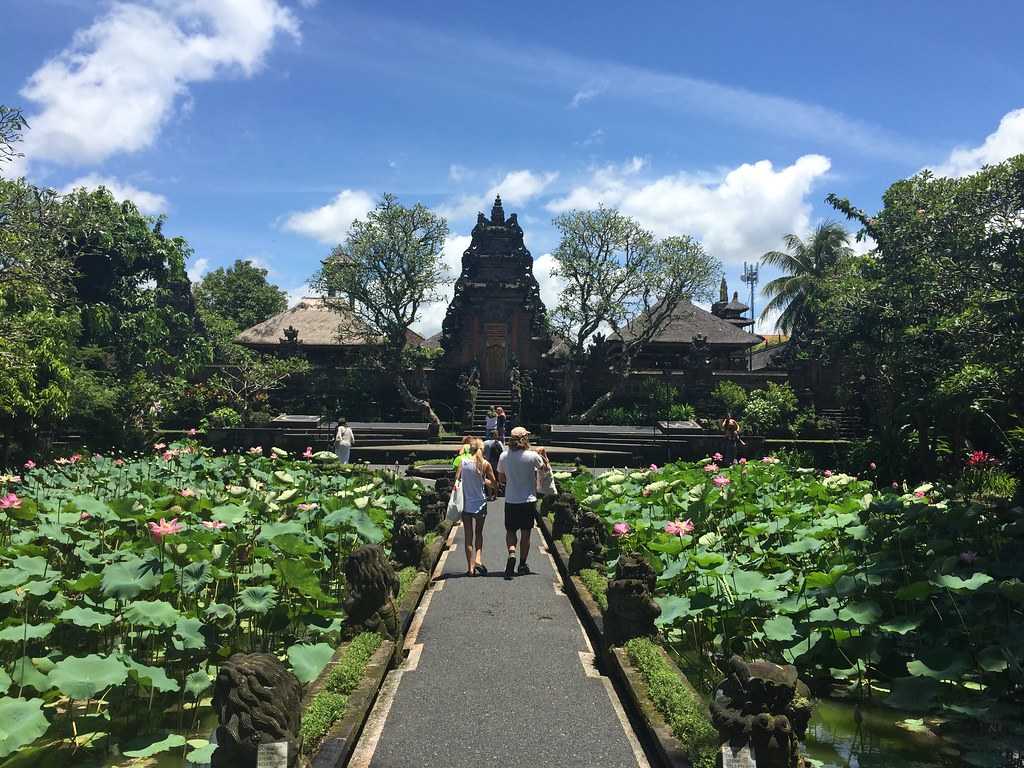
(517, 469)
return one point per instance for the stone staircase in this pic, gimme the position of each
(849, 425)
(487, 399)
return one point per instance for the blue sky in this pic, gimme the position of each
(262, 127)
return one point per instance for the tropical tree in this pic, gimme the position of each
(241, 294)
(617, 275)
(12, 122)
(805, 265)
(380, 278)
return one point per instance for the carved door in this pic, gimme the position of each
(494, 374)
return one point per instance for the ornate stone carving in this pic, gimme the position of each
(631, 608)
(565, 508)
(432, 510)
(372, 587)
(407, 538)
(765, 705)
(257, 701)
(588, 543)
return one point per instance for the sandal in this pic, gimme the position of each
(480, 570)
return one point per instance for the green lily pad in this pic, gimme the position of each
(915, 591)
(187, 635)
(231, 514)
(200, 755)
(21, 722)
(25, 673)
(156, 747)
(902, 625)
(194, 576)
(308, 661)
(19, 632)
(779, 628)
(197, 683)
(83, 677)
(85, 617)
(127, 580)
(151, 677)
(258, 600)
(957, 584)
(915, 694)
(866, 612)
(673, 607)
(5, 681)
(152, 613)
(992, 659)
(801, 546)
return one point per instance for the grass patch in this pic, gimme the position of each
(597, 585)
(328, 706)
(406, 576)
(680, 707)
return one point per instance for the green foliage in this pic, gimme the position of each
(12, 123)
(323, 711)
(682, 412)
(406, 577)
(769, 411)
(731, 396)
(222, 417)
(682, 710)
(239, 294)
(597, 585)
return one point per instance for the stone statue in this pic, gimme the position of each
(566, 509)
(407, 538)
(257, 701)
(631, 608)
(432, 510)
(372, 588)
(766, 706)
(588, 543)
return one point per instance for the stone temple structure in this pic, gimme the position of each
(496, 318)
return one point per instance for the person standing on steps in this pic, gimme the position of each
(493, 449)
(491, 422)
(477, 478)
(502, 423)
(517, 468)
(343, 440)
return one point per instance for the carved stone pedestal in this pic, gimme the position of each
(631, 608)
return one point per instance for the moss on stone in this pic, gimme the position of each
(597, 585)
(680, 706)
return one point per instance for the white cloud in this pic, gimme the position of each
(432, 314)
(329, 224)
(737, 215)
(114, 87)
(457, 173)
(199, 268)
(309, 3)
(149, 203)
(1005, 142)
(586, 93)
(550, 286)
(298, 293)
(516, 188)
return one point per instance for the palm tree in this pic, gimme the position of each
(806, 264)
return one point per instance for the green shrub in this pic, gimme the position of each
(769, 411)
(323, 711)
(260, 418)
(622, 416)
(682, 412)
(348, 672)
(731, 396)
(406, 576)
(597, 585)
(682, 710)
(221, 417)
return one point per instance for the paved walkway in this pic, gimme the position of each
(499, 673)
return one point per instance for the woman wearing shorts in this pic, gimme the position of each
(476, 475)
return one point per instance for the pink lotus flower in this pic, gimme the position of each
(677, 528)
(84, 516)
(30, 464)
(10, 501)
(968, 557)
(118, 462)
(895, 485)
(769, 460)
(159, 446)
(919, 494)
(654, 467)
(720, 481)
(308, 453)
(743, 461)
(621, 529)
(188, 493)
(61, 461)
(165, 528)
(981, 459)
(167, 455)
(717, 456)
(256, 451)
(827, 473)
(214, 525)
(646, 492)
(711, 467)
(74, 458)
(307, 507)
(872, 466)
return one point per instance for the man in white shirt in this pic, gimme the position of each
(517, 469)
(343, 440)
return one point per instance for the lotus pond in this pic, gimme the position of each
(900, 597)
(124, 583)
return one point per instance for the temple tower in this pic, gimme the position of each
(496, 317)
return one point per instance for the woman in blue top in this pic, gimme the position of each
(476, 475)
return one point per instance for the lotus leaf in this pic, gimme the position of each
(940, 666)
(21, 722)
(156, 747)
(902, 625)
(200, 754)
(93, 506)
(127, 580)
(197, 683)
(152, 613)
(308, 661)
(1013, 589)
(83, 677)
(866, 612)
(194, 576)
(258, 600)
(914, 591)
(151, 677)
(801, 546)
(229, 514)
(281, 453)
(187, 635)
(287, 495)
(19, 632)
(25, 673)
(673, 607)
(5, 681)
(957, 584)
(85, 617)
(779, 628)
